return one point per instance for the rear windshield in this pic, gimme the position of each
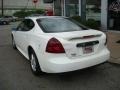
(53, 25)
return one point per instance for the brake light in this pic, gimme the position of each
(54, 46)
(90, 36)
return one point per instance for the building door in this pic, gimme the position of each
(114, 14)
(57, 8)
(72, 7)
(93, 9)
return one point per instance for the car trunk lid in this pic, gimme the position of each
(80, 43)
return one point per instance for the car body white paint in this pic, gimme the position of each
(72, 59)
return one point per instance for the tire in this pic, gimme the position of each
(13, 43)
(34, 64)
(14, 20)
(4, 23)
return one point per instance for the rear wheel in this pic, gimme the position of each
(5, 23)
(34, 64)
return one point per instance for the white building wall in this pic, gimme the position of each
(21, 4)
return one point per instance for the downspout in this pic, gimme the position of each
(104, 14)
(79, 7)
(53, 5)
(64, 7)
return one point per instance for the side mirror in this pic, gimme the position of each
(14, 29)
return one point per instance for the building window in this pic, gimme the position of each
(72, 7)
(114, 14)
(93, 9)
(57, 8)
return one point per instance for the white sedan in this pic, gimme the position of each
(56, 44)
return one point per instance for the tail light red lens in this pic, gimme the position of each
(54, 46)
(90, 36)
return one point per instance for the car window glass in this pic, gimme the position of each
(51, 25)
(26, 25)
(30, 24)
(20, 26)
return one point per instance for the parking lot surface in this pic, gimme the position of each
(15, 73)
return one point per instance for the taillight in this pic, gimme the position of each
(90, 36)
(54, 46)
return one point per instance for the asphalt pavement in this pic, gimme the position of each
(15, 73)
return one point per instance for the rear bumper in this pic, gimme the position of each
(64, 64)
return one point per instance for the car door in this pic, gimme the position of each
(22, 33)
(17, 34)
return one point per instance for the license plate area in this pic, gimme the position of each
(87, 49)
(85, 44)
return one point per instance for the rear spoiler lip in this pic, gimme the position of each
(86, 37)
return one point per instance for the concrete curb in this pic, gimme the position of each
(114, 47)
(113, 60)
